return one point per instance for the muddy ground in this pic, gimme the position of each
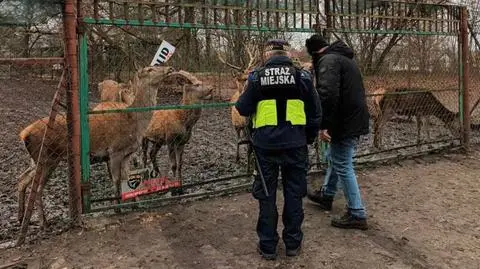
(211, 154)
(423, 213)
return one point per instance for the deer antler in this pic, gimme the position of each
(253, 56)
(228, 64)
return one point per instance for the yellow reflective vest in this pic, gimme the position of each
(281, 97)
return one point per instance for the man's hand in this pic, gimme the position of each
(324, 136)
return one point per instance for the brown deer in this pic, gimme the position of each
(174, 127)
(419, 104)
(239, 122)
(112, 91)
(114, 137)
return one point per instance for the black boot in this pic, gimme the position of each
(293, 252)
(348, 221)
(266, 256)
(324, 202)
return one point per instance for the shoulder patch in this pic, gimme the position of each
(323, 69)
(252, 75)
(304, 74)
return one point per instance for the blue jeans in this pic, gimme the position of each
(340, 158)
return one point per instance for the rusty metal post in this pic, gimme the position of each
(465, 77)
(73, 108)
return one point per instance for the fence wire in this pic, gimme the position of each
(412, 92)
(209, 133)
(31, 65)
(409, 79)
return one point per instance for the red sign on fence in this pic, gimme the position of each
(136, 186)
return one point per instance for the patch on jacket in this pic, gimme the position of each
(277, 76)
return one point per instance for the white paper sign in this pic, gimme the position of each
(164, 52)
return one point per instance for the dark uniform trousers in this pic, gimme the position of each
(293, 163)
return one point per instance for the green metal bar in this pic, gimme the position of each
(162, 107)
(220, 105)
(173, 198)
(189, 185)
(84, 128)
(120, 22)
(403, 32)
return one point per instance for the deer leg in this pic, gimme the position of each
(173, 166)
(46, 173)
(377, 136)
(172, 159)
(116, 172)
(179, 156)
(427, 127)
(24, 181)
(153, 156)
(249, 158)
(41, 210)
(144, 151)
(237, 157)
(419, 128)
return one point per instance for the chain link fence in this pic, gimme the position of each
(474, 79)
(413, 95)
(31, 67)
(409, 54)
(412, 80)
(202, 119)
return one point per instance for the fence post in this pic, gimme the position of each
(73, 109)
(464, 77)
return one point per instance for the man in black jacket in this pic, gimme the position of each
(345, 117)
(286, 114)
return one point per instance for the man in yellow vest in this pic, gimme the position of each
(285, 115)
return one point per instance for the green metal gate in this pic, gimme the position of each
(412, 56)
(227, 26)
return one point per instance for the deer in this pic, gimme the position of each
(239, 122)
(419, 104)
(174, 127)
(112, 91)
(114, 137)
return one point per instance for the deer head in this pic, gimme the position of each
(241, 74)
(194, 90)
(145, 84)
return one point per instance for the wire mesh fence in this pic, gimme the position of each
(412, 82)
(409, 54)
(31, 66)
(474, 78)
(199, 119)
(412, 92)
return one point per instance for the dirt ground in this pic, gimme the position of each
(423, 213)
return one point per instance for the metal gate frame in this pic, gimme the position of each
(262, 23)
(270, 18)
